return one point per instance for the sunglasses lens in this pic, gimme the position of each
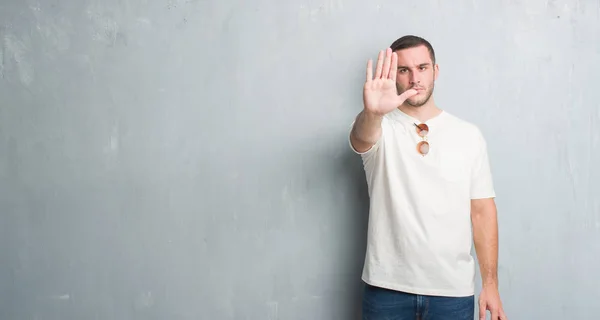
(423, 147)
(422, 130)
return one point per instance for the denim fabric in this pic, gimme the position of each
(384, 304)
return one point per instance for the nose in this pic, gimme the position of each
(415, 84)
(414, 81)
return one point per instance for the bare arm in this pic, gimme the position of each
(485, 238)
(366, 131)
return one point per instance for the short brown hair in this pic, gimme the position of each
(410, 41)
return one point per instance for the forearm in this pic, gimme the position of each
(485, 238)
(366, 130)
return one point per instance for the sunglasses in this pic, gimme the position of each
(422, 146)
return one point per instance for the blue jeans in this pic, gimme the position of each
(384, 304)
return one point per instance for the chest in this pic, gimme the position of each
(450, 157)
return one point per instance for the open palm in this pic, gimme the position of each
(379, 94)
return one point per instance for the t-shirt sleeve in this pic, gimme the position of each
(482, 185)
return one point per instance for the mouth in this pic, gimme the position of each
(419, 90)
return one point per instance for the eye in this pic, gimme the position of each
(401, 70)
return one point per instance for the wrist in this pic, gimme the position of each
(493, 284)
(372, 115)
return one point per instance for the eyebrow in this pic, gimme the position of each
(421, 65)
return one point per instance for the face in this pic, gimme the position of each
(416, 70)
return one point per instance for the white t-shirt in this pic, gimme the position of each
(419, 234)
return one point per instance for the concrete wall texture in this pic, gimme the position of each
(188, 159)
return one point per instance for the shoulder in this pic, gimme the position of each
(463, 137)
(466, 130)
(460, 124)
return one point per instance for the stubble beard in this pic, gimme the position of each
(422, 102)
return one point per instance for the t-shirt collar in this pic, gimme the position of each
(409, 122)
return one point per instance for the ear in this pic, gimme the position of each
(436, 71)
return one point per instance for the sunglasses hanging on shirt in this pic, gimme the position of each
(423, 145)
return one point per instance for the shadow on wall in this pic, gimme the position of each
(352, 174)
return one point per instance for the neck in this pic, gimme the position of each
(422, 113)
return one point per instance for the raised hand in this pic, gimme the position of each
(379, 93)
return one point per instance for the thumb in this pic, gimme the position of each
(406, 94)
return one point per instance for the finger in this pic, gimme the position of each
(386, 63)
(379, 65)
(394, 66)
(481, 311)
(494, 314)
(407, 94)
(369, 70)
(502, 315)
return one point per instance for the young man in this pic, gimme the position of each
(429, 182)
